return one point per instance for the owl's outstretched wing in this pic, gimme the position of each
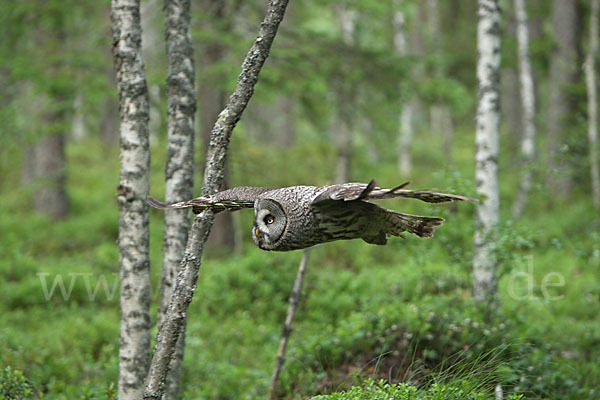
(230, 200)
(362, 191)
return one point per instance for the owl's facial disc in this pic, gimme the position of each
(269, 224)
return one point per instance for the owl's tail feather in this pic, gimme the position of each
(417, 225)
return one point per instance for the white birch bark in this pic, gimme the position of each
(406, 112)
(134, 338)
(528, 109)
(590, 79)
(179, 169)
(486, 149)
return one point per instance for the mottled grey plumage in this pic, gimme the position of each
(297, 217)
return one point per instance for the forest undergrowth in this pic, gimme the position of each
(401, 313)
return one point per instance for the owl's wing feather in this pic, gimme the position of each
(346, 192)
(423, 195)
(230, 200)
(362, 191)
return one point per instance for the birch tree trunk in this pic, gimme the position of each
(528, 110)
(187, 277)
(179, 170)
(563, 73)
(590, 79)
(405, 118)
(134, 340)
(343, 127)
(486, 150)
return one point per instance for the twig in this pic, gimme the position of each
(287, 326)
(213, 177)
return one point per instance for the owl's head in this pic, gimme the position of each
(270, 223)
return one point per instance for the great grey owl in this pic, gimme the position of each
(297, 217)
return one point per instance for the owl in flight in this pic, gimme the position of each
(297, 217)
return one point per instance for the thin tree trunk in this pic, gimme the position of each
(78, 130)
(343, 141)
(448, 136)
(175, 317)
(510, 100)
(563, 73)
(486, 148)
(590, 75)
(179, 170)
(528, 113)
(438, 112)
(404, 140)
(287, 326)
(134, 341)
(49, 169)
(151, 53)
(405, 119)
(433, 24)
(511, 108)
(343, 127)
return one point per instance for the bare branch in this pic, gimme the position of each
(287, 326)
(213, 176)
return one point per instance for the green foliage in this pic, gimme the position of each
(14, 385)
(381, 390)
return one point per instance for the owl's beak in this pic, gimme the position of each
(256, 232)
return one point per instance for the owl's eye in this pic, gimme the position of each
(269, 219)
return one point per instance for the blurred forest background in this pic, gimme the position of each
(352, 90)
